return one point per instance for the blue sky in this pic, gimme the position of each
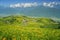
(26, 0)
(8, 2)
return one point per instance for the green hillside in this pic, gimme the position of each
(29, 28)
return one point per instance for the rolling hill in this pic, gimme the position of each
(28, 28)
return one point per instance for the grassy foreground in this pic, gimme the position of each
(39, 29)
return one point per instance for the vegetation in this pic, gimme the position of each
(28, 28)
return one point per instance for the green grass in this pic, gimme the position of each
(34, 29)
(29, 33)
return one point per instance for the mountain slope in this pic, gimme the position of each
(28, 21)
(28, 28)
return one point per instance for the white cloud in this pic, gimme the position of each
(24, 5)
(50, 4)
(45, 4)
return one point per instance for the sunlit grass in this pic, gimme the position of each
(21, 28)
(28, 33)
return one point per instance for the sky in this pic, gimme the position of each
(29, 3)
(8, 7)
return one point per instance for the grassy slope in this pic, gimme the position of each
(21, 31)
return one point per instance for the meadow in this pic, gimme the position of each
(29, 28)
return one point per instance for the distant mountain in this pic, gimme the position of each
(38, 11)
